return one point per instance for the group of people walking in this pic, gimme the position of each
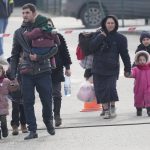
(33, 65)
(107, 45)
(36, 42)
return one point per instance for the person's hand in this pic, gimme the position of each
(103, 33)
(13, 86)
(12, 82)
(68, 73)
(127, 74)
(33, 57)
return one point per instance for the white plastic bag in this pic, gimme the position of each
(86, 92)
(67, 86)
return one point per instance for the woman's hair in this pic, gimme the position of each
(103, 22)
(3, 71)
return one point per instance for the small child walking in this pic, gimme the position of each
(15, 93)
(18, 115)
(141, 73)
(4, 90)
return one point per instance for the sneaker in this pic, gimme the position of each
(58, 121)
(15, 130)
(50, 127)
(107, 115)
(32, 135)
(24, 128)
(113, 112)
(3, 61)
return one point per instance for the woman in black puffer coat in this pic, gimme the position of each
(63, 60)
(107, 46)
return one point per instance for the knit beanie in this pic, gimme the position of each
(42, 22)
(143, 35)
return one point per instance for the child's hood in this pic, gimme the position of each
(139, 53)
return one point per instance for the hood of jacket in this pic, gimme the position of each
(42, 22)
(146, 54)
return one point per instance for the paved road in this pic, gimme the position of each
(125, 132)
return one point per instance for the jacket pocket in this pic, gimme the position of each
(25, 68)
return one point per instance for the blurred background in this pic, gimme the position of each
(91, 12)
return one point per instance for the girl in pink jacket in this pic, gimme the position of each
(141, 73)
(4, 90)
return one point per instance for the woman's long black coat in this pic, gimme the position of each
(106, 54)
(62, 59)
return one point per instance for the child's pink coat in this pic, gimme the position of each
(3, 97)
(141, 87)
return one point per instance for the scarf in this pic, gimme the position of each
(144, 67)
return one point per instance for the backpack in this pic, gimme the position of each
(79, 53)
(87, 62)
(84, 42)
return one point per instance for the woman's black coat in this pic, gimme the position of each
(62, 59)
(107, 50)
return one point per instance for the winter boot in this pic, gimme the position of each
(50, 127)
(102, 113)
(113, 111)
(139, 111)
(4, 126)
(58, 120)
(0, 134)
(32, 135)
(148, 111)
(57, 107)
(15, 130)
(107, 114)
(24, 128)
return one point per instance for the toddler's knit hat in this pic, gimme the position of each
(143, 35)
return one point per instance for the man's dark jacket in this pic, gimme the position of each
(21, 50)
